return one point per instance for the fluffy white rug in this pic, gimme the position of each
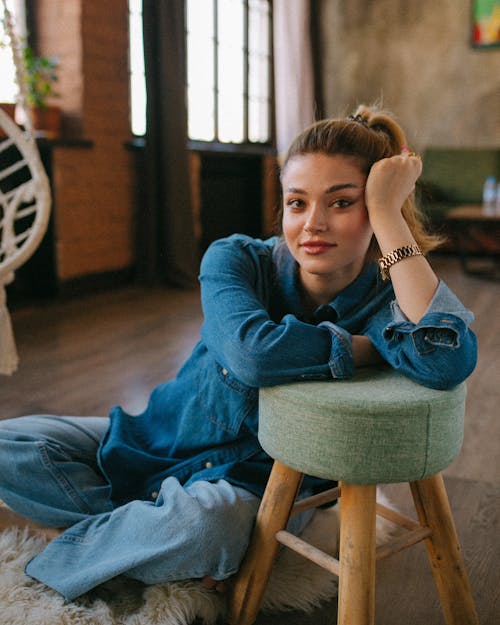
(296, 584)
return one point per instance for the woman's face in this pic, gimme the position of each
(325, 221)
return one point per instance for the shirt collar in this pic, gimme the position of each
(349, 298)
(355, 293)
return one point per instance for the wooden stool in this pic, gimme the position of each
(376, 428)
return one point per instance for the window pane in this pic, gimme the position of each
(258, 72)
(8, 85)
(200, 70)
(230, 70)
(136, 43)
(138, 104)
(135, 6)
(137, 76)
(8, 88)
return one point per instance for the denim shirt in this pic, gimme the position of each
(203, 424)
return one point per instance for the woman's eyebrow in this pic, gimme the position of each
(340, 187)
(333, 189)
(295, 190)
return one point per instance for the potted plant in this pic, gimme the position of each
(41, 77)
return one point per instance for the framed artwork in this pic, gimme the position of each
(485, 23)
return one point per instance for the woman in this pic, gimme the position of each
(172, 493)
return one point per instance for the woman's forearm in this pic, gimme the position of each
(413, 279)
(389, 184)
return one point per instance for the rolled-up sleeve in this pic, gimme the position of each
(439, 351)
(341, 361)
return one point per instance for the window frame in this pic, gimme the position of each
(246, 146)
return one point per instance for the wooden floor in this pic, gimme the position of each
(83, 356)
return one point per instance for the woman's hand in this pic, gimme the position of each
(390, 182)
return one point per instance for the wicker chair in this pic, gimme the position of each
(24, 213)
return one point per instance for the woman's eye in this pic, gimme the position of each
(341, 203)
(295, 204)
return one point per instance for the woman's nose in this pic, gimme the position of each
(316, 220)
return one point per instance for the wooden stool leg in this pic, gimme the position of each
(274, 511)
(356, 604)
(433, 508)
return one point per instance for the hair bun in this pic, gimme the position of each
(358, 119)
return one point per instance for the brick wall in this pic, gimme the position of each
(93, 187)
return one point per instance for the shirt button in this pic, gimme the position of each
(224, 372)
(208, 465)
(154, 494)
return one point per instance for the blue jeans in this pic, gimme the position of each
(49, 473)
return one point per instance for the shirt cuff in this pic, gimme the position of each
(434, 330)
(341, 361)
(443, 301)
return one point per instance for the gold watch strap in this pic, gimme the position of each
(391, 258)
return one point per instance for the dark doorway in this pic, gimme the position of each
(231, 196)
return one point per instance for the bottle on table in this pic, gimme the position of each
(490, 196)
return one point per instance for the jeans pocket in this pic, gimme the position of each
(81, 489)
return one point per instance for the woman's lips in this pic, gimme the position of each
(317, 247)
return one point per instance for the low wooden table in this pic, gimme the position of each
(478, 239)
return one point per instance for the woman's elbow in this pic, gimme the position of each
(254, 372)
(446, 370)
(444, 380)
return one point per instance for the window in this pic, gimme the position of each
(228, 70)
(136, 65)
(8, 85)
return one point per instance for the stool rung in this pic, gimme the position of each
(316, 500)
(397, 517)
(408, 539)
(327, 496)
(414, 532)
(309, 551)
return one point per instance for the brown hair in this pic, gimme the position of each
(369, 136)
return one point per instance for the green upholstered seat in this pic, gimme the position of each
(378, 427)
